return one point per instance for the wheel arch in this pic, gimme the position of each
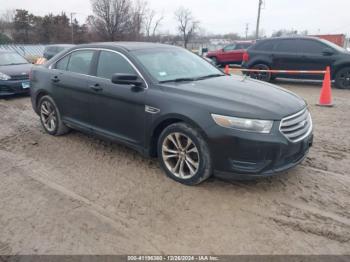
(37, 98)
(163, 123)
(263, 62)
(338, 67)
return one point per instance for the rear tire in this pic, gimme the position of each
(262, 76)
(342, 78)
(50, 117)
(184, 154)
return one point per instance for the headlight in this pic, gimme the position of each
(4, 76)
(243, 124)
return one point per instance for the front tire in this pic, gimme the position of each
(184, 154)
(342, 78)
(50, 117)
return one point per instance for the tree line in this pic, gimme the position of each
(112, 20)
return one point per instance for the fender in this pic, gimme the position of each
(160, 124)
(338, 65)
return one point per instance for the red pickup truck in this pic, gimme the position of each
(231, 54)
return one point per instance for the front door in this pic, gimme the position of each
(118, 110)
(313, 58)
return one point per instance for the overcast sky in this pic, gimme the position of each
(223, 16)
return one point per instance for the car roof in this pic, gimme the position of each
(128, 46)
(61, 45)
(290, 38)
(244, 41)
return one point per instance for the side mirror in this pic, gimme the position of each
(327, 52)
(126, 79)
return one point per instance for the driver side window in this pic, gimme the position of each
(110, 63)
(230, 48)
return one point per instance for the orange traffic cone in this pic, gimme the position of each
(326, 92)
(227, 70)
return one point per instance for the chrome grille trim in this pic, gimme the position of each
(20, 77)
(296, 127)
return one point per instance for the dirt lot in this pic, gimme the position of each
(79, 195)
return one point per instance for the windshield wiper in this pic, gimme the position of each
(184, 79)
(209, 76)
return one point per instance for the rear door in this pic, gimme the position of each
(70, 90)
(227, 55)
(118, 110)
(285, 55)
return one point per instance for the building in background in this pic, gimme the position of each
(338, 39)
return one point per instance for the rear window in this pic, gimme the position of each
(80, 61)
(288, 46)
(265, 46)
(77, 62)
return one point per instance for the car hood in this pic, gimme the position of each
(13, 70)
(239, 96)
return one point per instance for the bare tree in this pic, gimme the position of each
(6, 21)
(187, 24)
(138, 15)
(152, 24)
(112, 18)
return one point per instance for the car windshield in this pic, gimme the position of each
(11, 59)
(175, 64)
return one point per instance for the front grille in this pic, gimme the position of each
(20, 77)
(296, 127)
(5, 89)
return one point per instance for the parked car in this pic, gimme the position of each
(167, 102)
(14, 74)
(299, 53)
(51, 50)
(231, 54)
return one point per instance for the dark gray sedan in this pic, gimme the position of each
(167, 102)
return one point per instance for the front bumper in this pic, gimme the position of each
(13, 87)
(244, 155)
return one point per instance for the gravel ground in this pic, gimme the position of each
(79, 195)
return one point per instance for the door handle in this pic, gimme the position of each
(96, 87)
(55, 79)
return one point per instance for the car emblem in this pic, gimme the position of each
(152, 110)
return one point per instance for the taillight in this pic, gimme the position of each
(245, 57)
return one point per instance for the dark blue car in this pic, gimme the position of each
(14, 74)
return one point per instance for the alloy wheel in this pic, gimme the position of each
(48, 116)
(180, 155)
(262, 76)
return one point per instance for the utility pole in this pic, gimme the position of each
(246, 31)
(258, 21)
(72, 26)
